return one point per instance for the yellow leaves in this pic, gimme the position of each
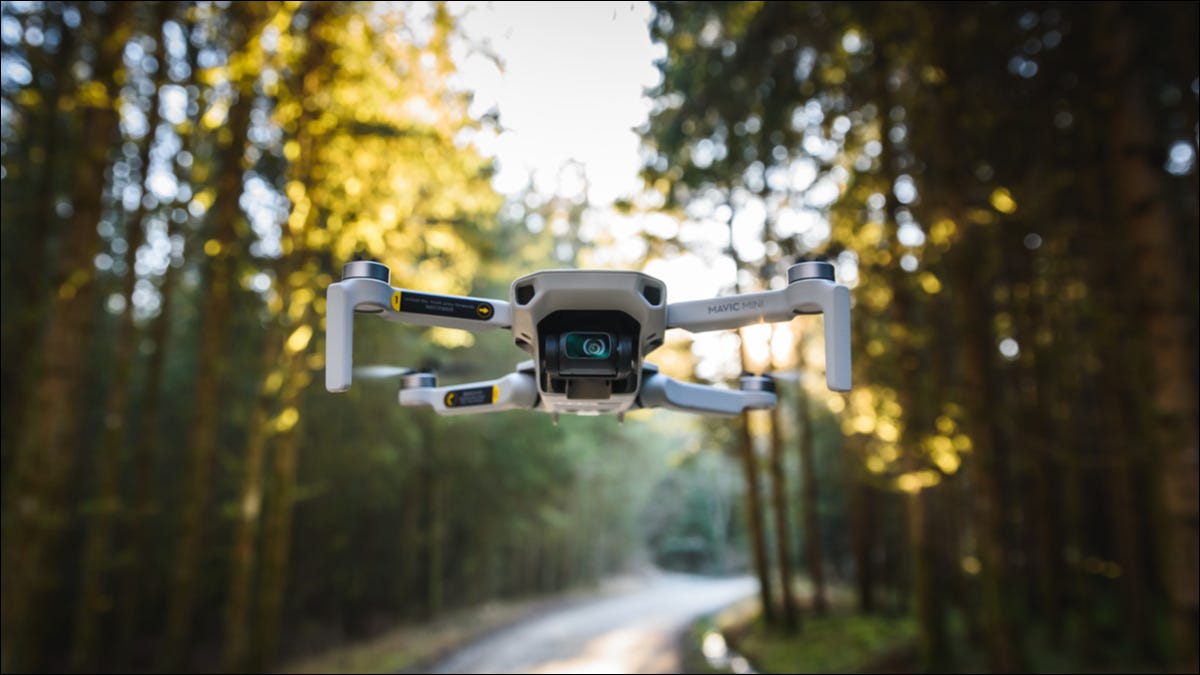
(942, 452)
(291, 150)
(930, 283)
(318, 239)
(870, 235)
(909, 483)
(71, 286)
(1002, 200)
(1002, 322)
(876, 298)
(944, 425)
(212, 247)
(215, 116)
(875, 348)
(835, 403)
(321, 125)
(286, 420)
(887, 430)
(451, 339)
(286, 113)
(213, 76)
(971, 565)
(28, 98)
(1074, 291)
(92, 94)
(316, 361)
(302, 297)
(759, 422)
(942, 232)
(273, 383)
(295, 189)
(299, 339)
(981, 216)
(861, 424)
(932, 75)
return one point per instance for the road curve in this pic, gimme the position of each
(634, 632)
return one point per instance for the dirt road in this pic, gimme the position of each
(632, 632)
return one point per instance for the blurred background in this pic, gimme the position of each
(1009, 189)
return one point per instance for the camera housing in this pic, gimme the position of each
(588, 332)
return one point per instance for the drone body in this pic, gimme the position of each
(587, 332)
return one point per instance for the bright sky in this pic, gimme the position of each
(570, 90)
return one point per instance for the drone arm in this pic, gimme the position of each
(374, 295)
(807, 296)
(515, 391)
(660, 391)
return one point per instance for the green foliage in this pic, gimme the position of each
(693, 523)
(970, 169)
(251, 507)
(838, 643)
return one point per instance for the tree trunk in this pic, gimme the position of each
(758, 538)
(932, 636)
(1166, 312)
(435, 592)
(212, 364)
(1004, 652)
(45, 457)
(865, 530)
(136, 577)
(26, 273)
(808, 494)
(276, 537)
(239, 606)
(783, 548)
(137, 582)
(278, 520)
(95, 604)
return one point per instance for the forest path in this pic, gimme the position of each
(633, 632)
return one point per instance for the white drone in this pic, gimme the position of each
(587, 332)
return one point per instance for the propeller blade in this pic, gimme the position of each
(785, 375)
(379, 372)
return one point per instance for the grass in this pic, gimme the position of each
(841, 642)
(693, 658)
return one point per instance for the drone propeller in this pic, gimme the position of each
(785, 375)
(386, 372)
(381, 372)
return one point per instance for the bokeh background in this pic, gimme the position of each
(1010, 190)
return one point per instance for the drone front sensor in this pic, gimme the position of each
(587, 333)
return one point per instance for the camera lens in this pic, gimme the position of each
(587, 345)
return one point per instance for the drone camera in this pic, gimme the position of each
(588, 354)
(582, 345)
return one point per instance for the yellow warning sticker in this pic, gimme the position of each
(396, 301)
(471, 396)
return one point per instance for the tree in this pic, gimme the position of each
(48, 449)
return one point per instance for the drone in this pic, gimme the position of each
(587, 332)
